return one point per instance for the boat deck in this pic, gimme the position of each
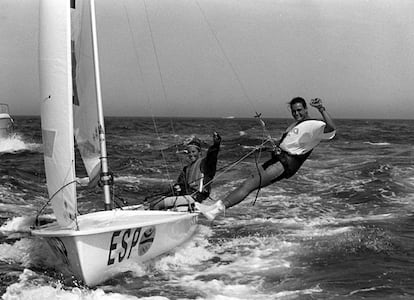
(103, 221)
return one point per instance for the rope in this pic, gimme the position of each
(159, 72)
(242, 88)
(260, 182)
(264, 141)
(225, 168)
(164, 159)
(232, 68)
(269, 138)
(50, 199)
(232, 165)
(265, 131)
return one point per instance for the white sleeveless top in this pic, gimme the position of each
(305, 136)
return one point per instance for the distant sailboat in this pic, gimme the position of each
(6, 121)
(94, 246)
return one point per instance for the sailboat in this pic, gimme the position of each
(6, 121)
(93, 246)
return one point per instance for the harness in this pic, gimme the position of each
(195, 178)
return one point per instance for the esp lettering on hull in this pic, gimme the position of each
(125, 242)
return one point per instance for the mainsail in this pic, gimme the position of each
(69, 105)
(56, 109)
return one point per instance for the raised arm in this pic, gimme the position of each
(210, 161)
(330, 125)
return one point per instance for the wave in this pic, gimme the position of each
(32, 285)
(18, 225)
(141, 179)
(16, 144)
(378, 144)
(38, 278)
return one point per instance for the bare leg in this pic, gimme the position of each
(256, 180)
(253, 182)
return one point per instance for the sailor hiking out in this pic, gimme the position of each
(287, 155)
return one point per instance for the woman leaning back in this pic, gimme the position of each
(288, 155)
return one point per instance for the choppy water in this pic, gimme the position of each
(342, 228)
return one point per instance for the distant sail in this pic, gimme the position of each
(56, 108)
(86, 126)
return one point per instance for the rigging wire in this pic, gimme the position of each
(50, 199)
(163, 88)
(223, 170)
(231, 165)
(246, 95)
(233, 69)
(159, 68)
(164, 159)
(226, 57)
(269, 138)
(266, 135)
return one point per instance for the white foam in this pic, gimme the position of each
(140, 179)
(370, 289)
(239, 260)
(18, 224)
(16, 143)
(290, 294)
(27, 288)
(191, 253)
(377, 144)
(220, 290)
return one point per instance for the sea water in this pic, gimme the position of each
(341, 228)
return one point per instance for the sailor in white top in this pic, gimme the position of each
(291, 151)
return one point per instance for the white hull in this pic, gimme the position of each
(6, 125)
(108, 241)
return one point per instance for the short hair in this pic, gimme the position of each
(298, 100)
(196, 142)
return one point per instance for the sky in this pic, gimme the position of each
(219, 58)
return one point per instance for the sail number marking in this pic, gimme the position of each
(124, 242)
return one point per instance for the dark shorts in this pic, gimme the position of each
(200, 196)
(173, 202)
(291, 163)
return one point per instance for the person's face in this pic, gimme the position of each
(193, 153)
(299, 113)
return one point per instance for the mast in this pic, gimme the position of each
(105, 176)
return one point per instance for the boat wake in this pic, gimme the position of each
(39, 275)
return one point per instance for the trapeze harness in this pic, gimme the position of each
(195, 180)
(295, 147)
(192, 189)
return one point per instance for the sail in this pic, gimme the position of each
(86, 126)
(56, 108)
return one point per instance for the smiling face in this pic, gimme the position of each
(193, 153)
(299, 112)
